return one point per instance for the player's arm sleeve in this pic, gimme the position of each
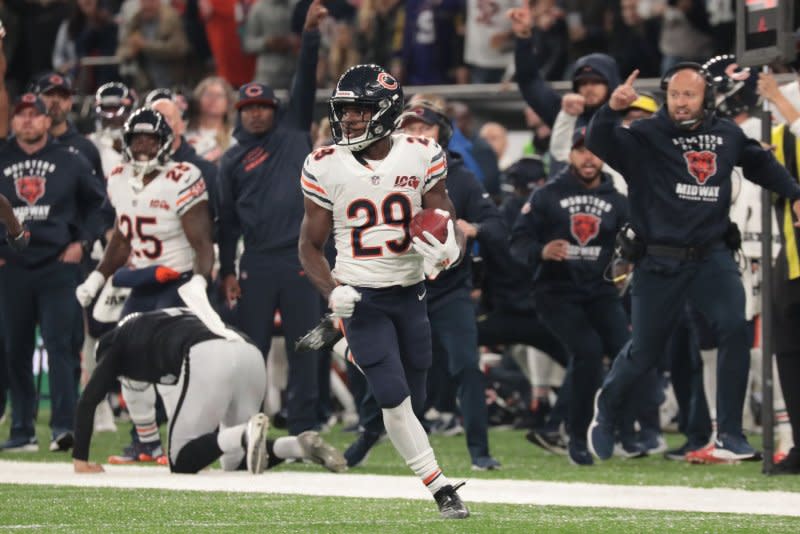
(536, 91)
(561, 138)
(437, 168)
(311, 184)
(609, 141)
(526, 240)
(761, 167)
(191, 190)
(304, 87)
(229, 225)
(100, 383)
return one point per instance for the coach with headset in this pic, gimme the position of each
(678, 166)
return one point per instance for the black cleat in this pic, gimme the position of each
(789, 465)
(450, 504)
(322, 337)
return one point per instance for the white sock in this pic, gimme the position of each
(341, 349)
(288, 447)
(230, 439)
(709, 358)
(410, 440)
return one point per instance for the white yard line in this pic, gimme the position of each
(408, 487)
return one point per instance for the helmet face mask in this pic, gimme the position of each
(735, 88)
(114, 101)
(150, 122)
(374, 91)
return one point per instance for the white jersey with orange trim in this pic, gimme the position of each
(372, 205)
(151, 217)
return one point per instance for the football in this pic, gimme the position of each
(428, 220)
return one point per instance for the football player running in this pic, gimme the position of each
(366, 189)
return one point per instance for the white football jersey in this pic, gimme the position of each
(151, 218)
(109, 157)
(372, 205)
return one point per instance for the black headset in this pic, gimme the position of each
(708, 96)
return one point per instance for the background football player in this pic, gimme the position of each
(163, 229)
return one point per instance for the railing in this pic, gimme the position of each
(499, 102)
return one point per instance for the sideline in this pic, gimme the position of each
(675, 498)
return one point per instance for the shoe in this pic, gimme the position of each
(255, 437)
(629, 449)
(579, 454)
(357, 453)
(600, 436)
(485, 463)
(549, 441)
(322, 337)
(138, 452)
(735, 448)
(653, 443)
(62, 442)
(778, 457)
(162, 460)
(706, 456)
(450, 427)
(320, 452)
(790, 465)
(104, 418)
(450, 504)
(679, 454)
(20, 444)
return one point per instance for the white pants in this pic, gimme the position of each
(222, 384)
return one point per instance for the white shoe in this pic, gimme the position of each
(322, 453)
(256, 438)
(104, 418)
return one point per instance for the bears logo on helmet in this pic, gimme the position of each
(369, 87)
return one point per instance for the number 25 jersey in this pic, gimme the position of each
(151, 217)
(372, 203)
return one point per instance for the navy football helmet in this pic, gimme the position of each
(372, 87)
(735, 88)
(113, 103)
(151, 122)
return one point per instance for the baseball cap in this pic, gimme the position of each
(53, 81)
(256, 93)
(29, 100)
(645, 102)
(525, 172)
(578, 137)
(421, 113)
(587, 72)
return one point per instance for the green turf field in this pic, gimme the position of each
(54, 509)
(520, 460)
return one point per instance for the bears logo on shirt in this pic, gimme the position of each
(584, 227)
(30, 188)
(702, 165)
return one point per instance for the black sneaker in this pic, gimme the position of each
(357, 453)
(450, 504)
(789, 465)
(322, 337)
(549, 441)
(62, 442)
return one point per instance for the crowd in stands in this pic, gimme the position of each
(177, 42)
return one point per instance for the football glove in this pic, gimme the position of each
(437, 256)
(88, 290)
(342, 301)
